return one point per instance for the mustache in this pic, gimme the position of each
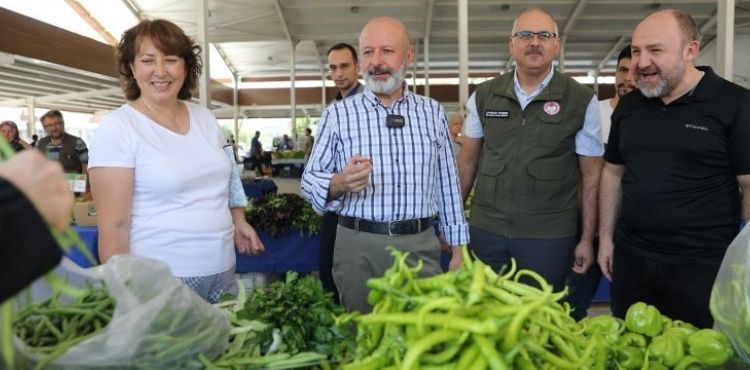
(379, 69)
(533, 50)
(648, 70)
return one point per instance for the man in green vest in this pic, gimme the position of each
(60, 146)
(532, 140)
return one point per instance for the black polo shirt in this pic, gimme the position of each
(681, 199)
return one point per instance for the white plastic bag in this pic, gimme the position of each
(158, 322)
(730, 296)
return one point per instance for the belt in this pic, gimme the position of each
(392, 228)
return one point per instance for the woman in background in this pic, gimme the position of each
(159, 173)
(10, 132)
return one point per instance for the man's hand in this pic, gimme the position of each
(42, 181)
(246, 239)
(606, 256)
(457, 258)
(444, 246)
(584, 257)
(352, 179)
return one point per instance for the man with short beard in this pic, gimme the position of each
(623, 85)
(677, 157)
(60, 146)
(383, 161)
(532, 137)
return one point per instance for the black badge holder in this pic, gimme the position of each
(395, 121)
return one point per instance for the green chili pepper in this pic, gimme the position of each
(666, 349)
(710, 347)
(644, 319)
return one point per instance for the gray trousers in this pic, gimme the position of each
(359, 256)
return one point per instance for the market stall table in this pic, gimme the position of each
(290, 252)
(255, 188)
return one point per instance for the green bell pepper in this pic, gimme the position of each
(644, 319)
(633, 340)
(666, 349)
(689, 363)
(710, 347)
(681, 332)
(630, 357)
(608, 327)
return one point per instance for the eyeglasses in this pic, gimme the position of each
(529, 35)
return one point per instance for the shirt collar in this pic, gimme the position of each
(352, 92)
(374, 98)
(520, 91)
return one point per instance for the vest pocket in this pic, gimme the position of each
(551, 130)
(487, 187)
(547, 181)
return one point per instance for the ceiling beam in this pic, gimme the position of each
(38, 40)
(226, 59)
(573, 18)
(614, 49)
(708, 24)
(91, 21)
(130, 4)
(284, 24)
(428, 18)
(242, 20)
(62, 97)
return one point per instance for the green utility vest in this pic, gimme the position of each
(528, 171)
(68, 156)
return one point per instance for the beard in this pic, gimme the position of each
(389, 85)
(668, 80)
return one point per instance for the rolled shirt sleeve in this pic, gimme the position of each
(321, 167)
(589, 141)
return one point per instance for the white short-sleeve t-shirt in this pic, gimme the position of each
(180, 214)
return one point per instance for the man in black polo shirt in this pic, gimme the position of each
(676, 157)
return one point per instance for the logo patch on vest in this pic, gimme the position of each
(496, 114)
(552, 107)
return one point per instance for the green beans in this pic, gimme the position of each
(49, 328)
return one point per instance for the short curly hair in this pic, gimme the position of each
(167, 37)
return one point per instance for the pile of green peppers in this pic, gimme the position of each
(646, 339)
(475, 318)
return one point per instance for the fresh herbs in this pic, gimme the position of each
(278, 213)
(288, 324)
(303, 313)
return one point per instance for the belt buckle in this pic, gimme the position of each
(411, 224)
(390, 228)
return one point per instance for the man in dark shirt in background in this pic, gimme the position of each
(60, 146)
(343, 66)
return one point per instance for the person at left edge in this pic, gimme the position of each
(34, 196)
(383, 161)
(164, 183)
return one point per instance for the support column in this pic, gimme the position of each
(725, 39)
(426, 66)
(31, 118)
(236, 105)
(293, 89)
(204, 85)
(323, 98)
(463, 55)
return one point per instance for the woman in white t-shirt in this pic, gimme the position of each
(159, 173)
